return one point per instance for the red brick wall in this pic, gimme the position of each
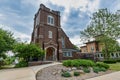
(44, 28)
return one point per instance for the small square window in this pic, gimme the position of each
(49, 34)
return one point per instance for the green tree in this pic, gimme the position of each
(6, 40)
(106, 26)
(28, 51)
(6, 43)
(75, 47)
(9, 60)
(110, 45)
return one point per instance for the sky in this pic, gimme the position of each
(17, 15)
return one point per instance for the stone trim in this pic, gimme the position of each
(55, 53)
(51, 42)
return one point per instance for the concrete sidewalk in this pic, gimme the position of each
(27, 73)
(111, 76)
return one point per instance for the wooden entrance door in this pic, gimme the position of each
(50, 54)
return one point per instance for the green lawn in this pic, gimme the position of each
(115, 67)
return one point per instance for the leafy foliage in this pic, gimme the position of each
(78, 62)
(104, 26)
(75, 47)
(76, 73)
(110, 61)
(21, 64)
(27, 51)
(103, 22)
(86, 70)
(103, 69)
(101, 64)
(110, 45)
(96, 69)
(9, 60)
(6, 41)
(75, 63)
(66, 74)
(86, 63)
(118, 60)
(67, 63)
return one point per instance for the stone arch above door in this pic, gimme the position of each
(50, 53)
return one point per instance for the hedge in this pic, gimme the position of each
(110, 61)
(78, 62)
(84, 63)
(101, 64)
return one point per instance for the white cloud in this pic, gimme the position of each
(85, 6)
(24, 37)
(76, 40)
(82, 5)
(93, 6)
(34, 3)
(70, 4)
(2, 16)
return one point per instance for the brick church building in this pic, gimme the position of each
(47, 32)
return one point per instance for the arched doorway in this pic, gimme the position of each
(50, 54)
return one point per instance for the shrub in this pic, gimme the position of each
(78, 62)
(75, 63)
(9, 60)
(101, 64)
(103, 69)
(118, 60)
(86, 70)
(76, 73)
(66, 74)
(21, 64)
(1, 64)
(86, 63)
(96, 69)
(67, 63)
(110, 61)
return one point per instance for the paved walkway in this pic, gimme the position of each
(111, 76)
(27, 73)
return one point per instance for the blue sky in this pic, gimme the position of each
(17, 15)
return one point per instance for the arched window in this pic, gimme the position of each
(63, 42)
(49, 34)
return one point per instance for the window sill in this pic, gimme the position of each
(50, 24)
(67, 56)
